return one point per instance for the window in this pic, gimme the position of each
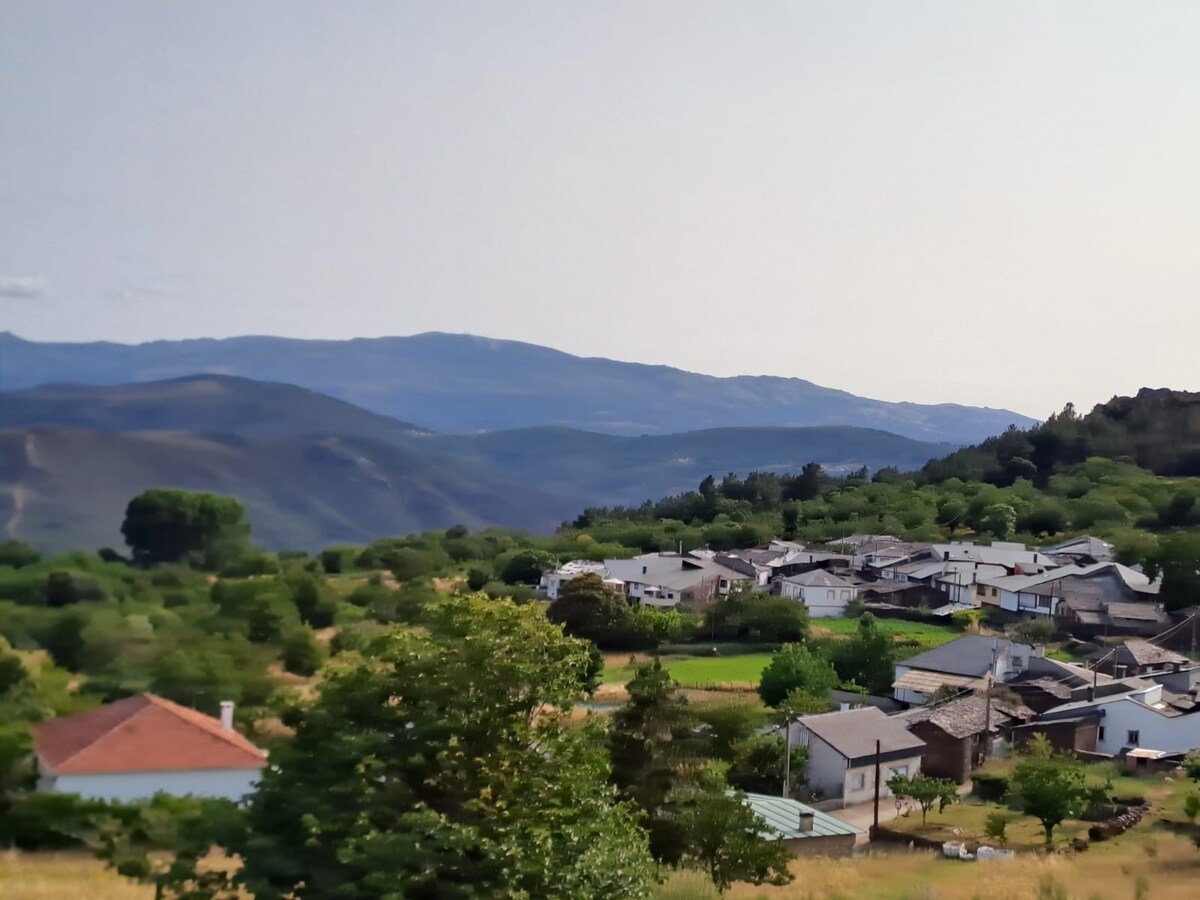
(845, 595)
(994, 592)
(858, 782)
(831, 595)
(1133, 737)
(900, 770)
(1100, 733)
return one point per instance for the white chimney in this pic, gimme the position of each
(844, 706)
(227, 715)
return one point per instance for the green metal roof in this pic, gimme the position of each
(783, 819)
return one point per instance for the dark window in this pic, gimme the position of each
(1100, 733)
(1133, 738)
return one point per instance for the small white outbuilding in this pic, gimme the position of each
(137, 747)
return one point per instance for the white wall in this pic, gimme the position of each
(232, 784)
(1155, 731)
(817, 600)
(853, 794)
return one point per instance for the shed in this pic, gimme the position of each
(805, 831)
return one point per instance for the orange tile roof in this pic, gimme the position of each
(144, 733)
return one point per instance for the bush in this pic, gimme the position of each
(996, 825)
(49, 821)
(302, 652)
(66, 588)
(18, 553)
(519, 593)
(250, 563)
(989, 786)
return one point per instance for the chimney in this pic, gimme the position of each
(1118, 671)
(227, 715)
(806, 819)
(946, 556)
(643, 570)
(1091, 693)
(844, 706)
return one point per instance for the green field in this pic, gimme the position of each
(926, 634)
(698, 671)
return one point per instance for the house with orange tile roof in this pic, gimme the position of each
(143, 745)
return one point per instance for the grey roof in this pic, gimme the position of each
(782, 818)
(668, 570)
(819, 578)
(1138, 653)
(969, 655)
(967, 715)
(853, 733)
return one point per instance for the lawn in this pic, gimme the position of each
(63, 876)
(927, 634)
(697, 671)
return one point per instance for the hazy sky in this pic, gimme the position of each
(990, 203)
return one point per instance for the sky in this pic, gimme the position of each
(987, 203)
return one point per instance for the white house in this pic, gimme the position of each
(552, 581)
(1138, 718)
(668, 580)
(822, 592)
(143, 745)
(841, 752)
(964, 663)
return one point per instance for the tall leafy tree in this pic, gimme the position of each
(1177, 559)
(795, 668)
(170, 525)
(924, 790)
(1048, 786)
(725, 838)
(656, 747)
(442, 766)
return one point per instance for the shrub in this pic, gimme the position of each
(18, 553)
(48, 821)
(253, 562)
(989, 786)
(302, 652)
(996, 825)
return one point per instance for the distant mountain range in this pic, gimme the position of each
(314, 471)
(461, 383)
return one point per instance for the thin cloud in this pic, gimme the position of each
(22, 288)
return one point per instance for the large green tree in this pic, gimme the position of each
(1177, 559)
(795, 668)
(170, 525)
(1049, 786)
(442, 766)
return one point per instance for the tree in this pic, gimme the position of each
(1037, 630)
(586, 608)
(654, 745)
(302, 653)
(1177, 558)
(996, 826)
(18, 554)
(757, 763)
(170, 525)
(791, 521)
(867, 658)
(1049, 787)
(793, 668)
(746, 614)
(442, 765)
(924, 791)
(724, 837)
(999, 520)
(527, 566)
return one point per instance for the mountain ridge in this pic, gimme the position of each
(466, 383)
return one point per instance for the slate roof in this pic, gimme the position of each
(782, 817)
(967, 716)
(1139, 653)
(143, 733)
(853, 733)
(923, 682)
(819, 578)
(969, 655)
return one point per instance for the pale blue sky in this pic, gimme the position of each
(989, 203)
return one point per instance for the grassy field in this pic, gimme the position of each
(926, 634)
(741, 669)
(63, 876)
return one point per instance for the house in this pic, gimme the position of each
(668, 580)
(803, 830)
(1140, 717)
(137, 747)
(910, 595)
(964, 663)
(1138, 658)
(822, 593)
(552, 581)
(842, 752)
(1041, 593)
(1083, 550)
(959, 734)
(1086, 618)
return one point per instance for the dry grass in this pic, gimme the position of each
(63, 876)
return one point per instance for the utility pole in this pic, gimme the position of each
(787, 755)
(875, 816)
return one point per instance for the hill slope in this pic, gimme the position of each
(62, 488)
(460, 383)
(315, 471)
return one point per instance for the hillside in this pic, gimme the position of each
(1158, 430)
(461, 383)
(220, 404)
(65, 488)
(313, 470)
